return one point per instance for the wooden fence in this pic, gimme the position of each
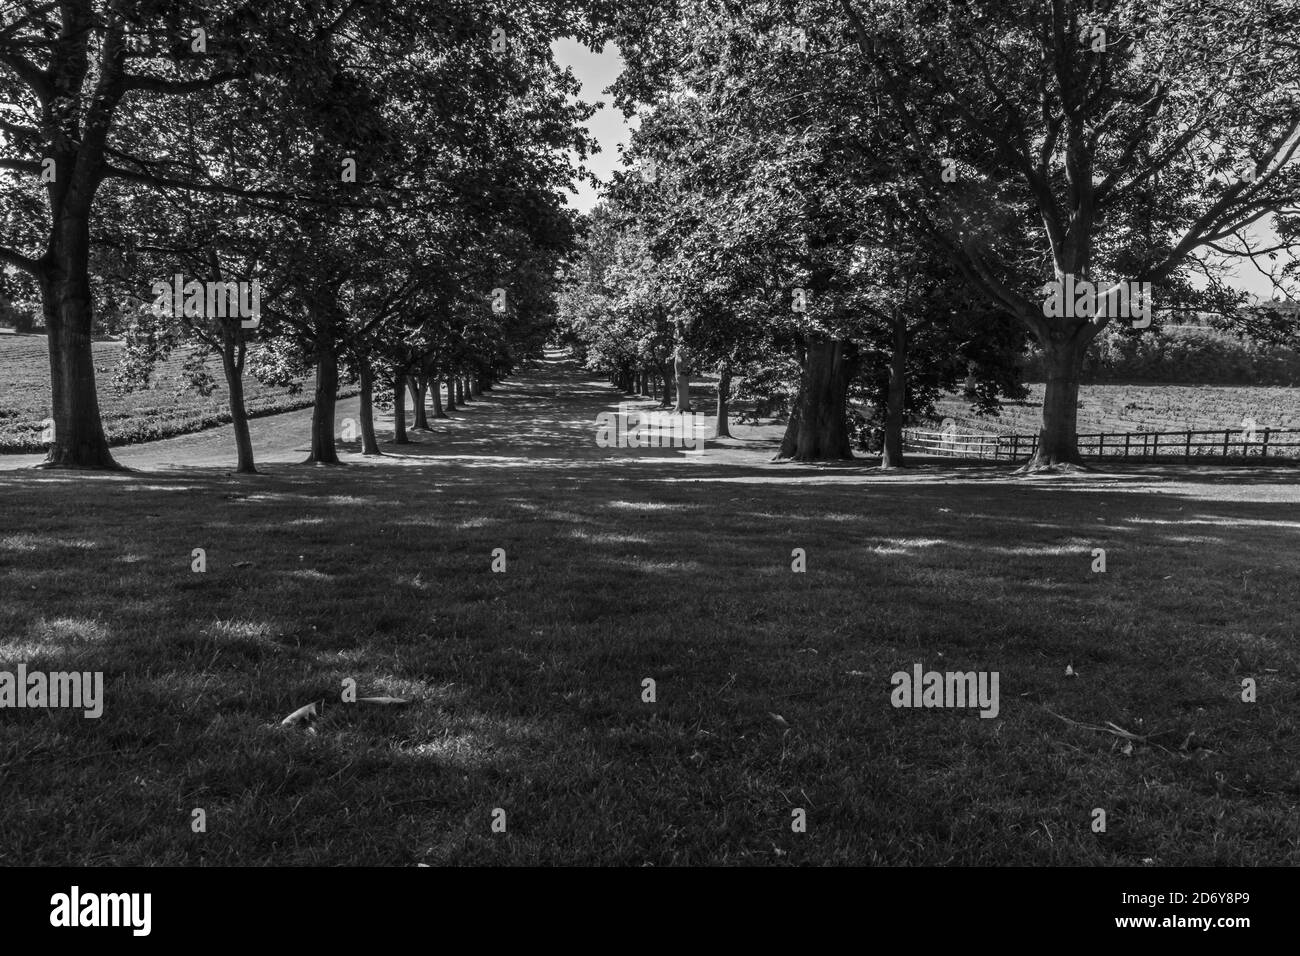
(1185, 445)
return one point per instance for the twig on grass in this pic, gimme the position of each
(1113, 729)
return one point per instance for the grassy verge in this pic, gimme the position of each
(168, 408)
(772, 687)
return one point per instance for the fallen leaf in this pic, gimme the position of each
(779, 719)
(305, 714)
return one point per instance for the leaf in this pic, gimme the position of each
(779, 719)
(1069, 671)
(304, 715)
(1127, 749)
(392, 701)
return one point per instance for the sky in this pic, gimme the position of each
(597, 70)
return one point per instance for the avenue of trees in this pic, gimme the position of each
(390, 175)
(832, 205)
(866, 201)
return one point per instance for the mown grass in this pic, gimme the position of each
(169, 406)
(620, 567)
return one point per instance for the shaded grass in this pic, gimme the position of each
(528, 684)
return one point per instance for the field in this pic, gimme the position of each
(167, 408)
(1119, 690)
(1135, 408)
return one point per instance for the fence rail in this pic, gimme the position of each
(1186, 445)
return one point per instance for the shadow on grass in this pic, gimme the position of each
(528, 685)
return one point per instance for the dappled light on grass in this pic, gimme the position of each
(526, 684)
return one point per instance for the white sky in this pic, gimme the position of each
(596, 71)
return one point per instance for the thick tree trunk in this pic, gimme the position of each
(460, 390)
(399, 413)
(419, 389)
(432, 384)
(451, 394)
(666, 400)
(1058, 439)
(79, 440)
(323, 451)
(682, 373)
(817, 429)
(475, 386)
(891, 455)
(232, 363)
(722, 430)
(368, 444)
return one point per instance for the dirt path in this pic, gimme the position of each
(548, 411)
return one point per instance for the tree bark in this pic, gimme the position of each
(79, 440)
(399, 413)
(891, 456)
(666, 400)
(722, 430)
(682, 373)
(420, 387)
(476, 386)
(460, 390)
(817, 429)
(323, 451)
(233, 354)
(432, 385)
(451, 394)
(368, 444)
(1058, 439)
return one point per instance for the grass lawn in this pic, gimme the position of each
(772, 687)
(168, 407)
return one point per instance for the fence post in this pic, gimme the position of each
(1155, 444)
(1226, 435)
(1187, 449)
(1127, 436)
(1263, 451)
(1101, 445)
(1015, 446)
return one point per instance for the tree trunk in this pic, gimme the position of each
(399, 412)
(232, 363)
(368, 444)
(420, 387)
(816, 431)
(1058, 439)
(451, 394)
(460, 390)
(682, 373)
(475, 386)
(891, 455)
(722, 430)
(323, 451)
(79, 440)
(432, 384)
(667, 400)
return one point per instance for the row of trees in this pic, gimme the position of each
(867, 200)
(391, 176)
